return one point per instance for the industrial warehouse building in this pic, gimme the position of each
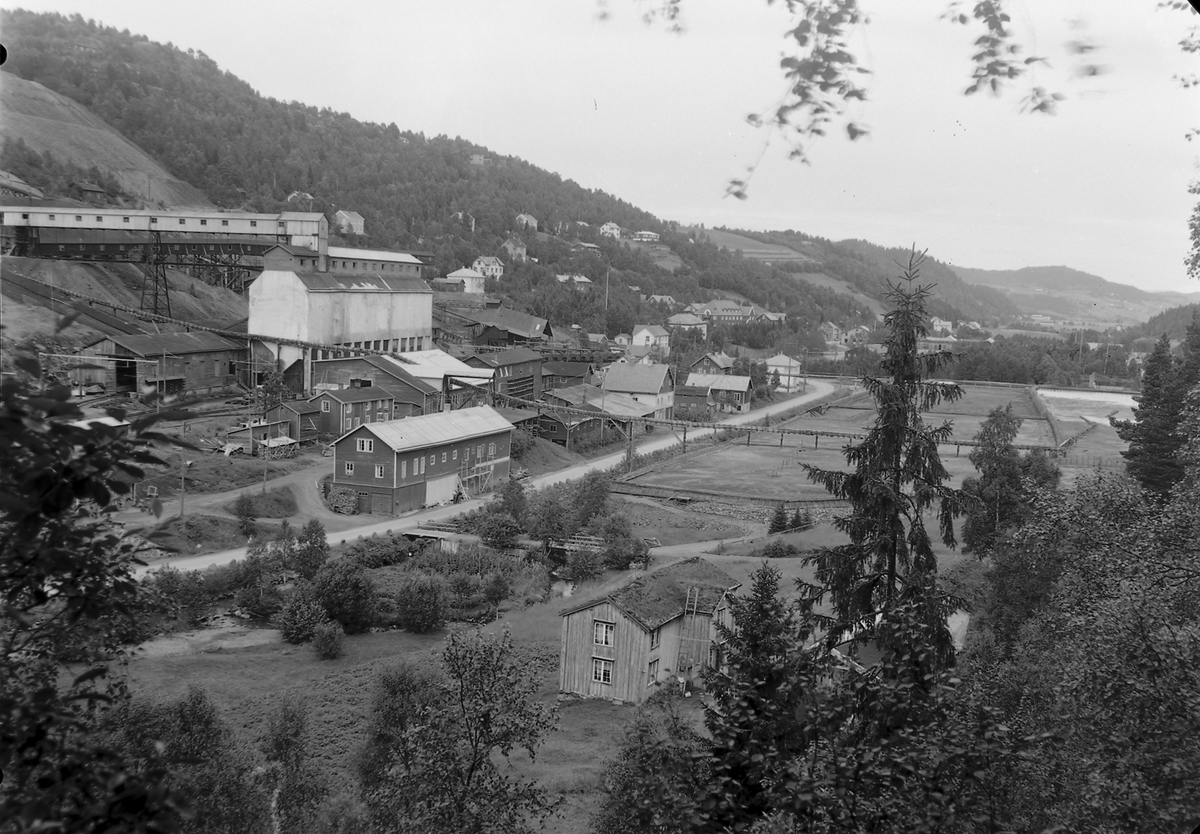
(404, 465)
(174, 364)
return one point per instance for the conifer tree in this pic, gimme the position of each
(1153, 442)
(897, 475)
(779, 520)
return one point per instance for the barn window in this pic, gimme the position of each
(99, 219)
(432, 460)
(124, 219)
(281, 224)
(602, 670)
(224, 222)
(602, 633)
(203, 222)
(443, 457)
(62, 248)
(153, 219)
(302, 262)
(422, 464)
(79, 218)
(325, 406)
(403, 469)
(455, 455)
(491, 450)
(365, 444)
(652, 673)
(379, 470)
(182, 222)
(254, 224)
(52, 217)
(655, 638)
(349, 468)
(26, 217)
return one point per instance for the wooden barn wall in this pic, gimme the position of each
(628, 654)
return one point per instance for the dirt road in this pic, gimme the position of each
(305, 481)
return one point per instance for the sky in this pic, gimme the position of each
(589, 90)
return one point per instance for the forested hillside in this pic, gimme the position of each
(1173, 322)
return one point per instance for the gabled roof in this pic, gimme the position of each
(721, 360)
(300, 406)
(465, 272)
(295, 251)
(361, 282)
(514, 321)
(503, 358)
(719, 382)
(685, 320)
(566, 368)
(157, 344)
(349, 215)
(517, 416)
(654, 599)
(653, 329)
(489, 260)
(436, 365)
(637, 379)
(342, 252)
(610, 402)
(782, 360)
(388, 366)
(435, 429)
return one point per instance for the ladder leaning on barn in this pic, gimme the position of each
(691, 638)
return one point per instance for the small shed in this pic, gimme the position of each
(303, 418)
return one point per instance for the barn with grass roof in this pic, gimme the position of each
(661, 628)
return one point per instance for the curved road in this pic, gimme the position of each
(817, 389)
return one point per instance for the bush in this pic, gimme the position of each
(583, 565)
(379, 551)
(779, 550)
(342, 500)
(186, 593)
(243, 508)
(421, 604)
(499, 530)
(347, 594)
(279, 502)
(327, 640)
(522, 442)
(301, 615)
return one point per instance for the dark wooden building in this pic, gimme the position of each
(565, 374)
(377, 371)
(342, 409)
(404, 465)
(518, 371)
(175, 364)
(302, 417)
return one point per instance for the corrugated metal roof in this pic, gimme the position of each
(636, 379)
(437, 364)
(512, 356)
(437, 429)
(719, 382)
(338, 282)
(611, 402)
(344, 252)
(157, 344)
(514, 321)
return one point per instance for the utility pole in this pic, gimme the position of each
(183, 467)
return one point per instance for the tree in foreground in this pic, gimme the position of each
(897, 476)
(68, 596)
(432, 760)
(1151, 435)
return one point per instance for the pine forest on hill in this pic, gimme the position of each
(247, 151)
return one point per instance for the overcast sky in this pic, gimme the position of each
(658, 119)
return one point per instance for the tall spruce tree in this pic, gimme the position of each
(1153, 441)
(897, 476)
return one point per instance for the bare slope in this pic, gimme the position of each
(47, 121)
(28, 314)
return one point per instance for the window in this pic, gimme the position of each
(52, 217)
(455, 456)
(654, 638)
(281, 224)
(379, 470)
(479, 451)
(182, 222)
(652, 673)
(325, 406)
(79, 218)
(491, 450)
(349, 468)
(422, 465)
(443, 457)
(26, 217)
(602, 633)
(99, 219)
(203, 222)
(153, 219)
(254, 224)
(302, 262)
(432, 460)
(602, 670)
(365, 444)
(224, 222)
(403, 469)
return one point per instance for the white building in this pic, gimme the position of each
(349, 222)
(654, 337)
(472, 280)
(791, 371)
(610, 229)
(488, 266)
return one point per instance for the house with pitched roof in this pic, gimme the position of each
(660, 629)
(791, 371)
(713, 363)
(472, 278)
(650, 385)
(378, 372)
(349, 222)
(342, 409)
(515, 248)
(527, 221)
(729, 392)
(688, 322)
(503, 326)
(171, 363)
(488, 266)
(652, 336)
(610, 229)
(403, 465)
(517, 371)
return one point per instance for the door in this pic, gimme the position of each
(364, 502)
(440, 490)
(381, 503)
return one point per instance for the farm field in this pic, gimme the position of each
(768, 468)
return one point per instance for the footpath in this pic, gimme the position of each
(413, 520)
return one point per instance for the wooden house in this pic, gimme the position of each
(404, 465)
(518, 371)
(568, 430)
(252, 436)
(303, 418)
(377, 371)
(713, 363)
(342, 409)
(729, 391)
(696, 402)
(650, 384)
(501, 327)
(658, 629)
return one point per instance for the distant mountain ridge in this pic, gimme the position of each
(1063, 292)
